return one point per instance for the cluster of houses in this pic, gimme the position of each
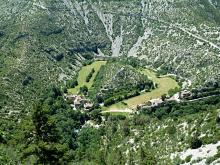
(156, 102)
(79, 102)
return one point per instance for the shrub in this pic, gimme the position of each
(83, 90)
(59, 57)
(72, 83)
(27, 80)
(90, 75)
(195, 143)
(218, 120)
(188, 158)
(171, 130)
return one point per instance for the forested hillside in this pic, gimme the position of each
(44, 44)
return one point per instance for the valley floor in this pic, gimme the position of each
(164, 84)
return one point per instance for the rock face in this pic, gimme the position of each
(181, 37)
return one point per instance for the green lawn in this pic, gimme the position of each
(164, 85)
(83, 73)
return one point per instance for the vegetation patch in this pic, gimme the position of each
(116, 82)
(164, 85)
(83, 73)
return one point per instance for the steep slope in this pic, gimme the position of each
(45, 41)
(41, 43)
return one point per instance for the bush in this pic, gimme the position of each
(27, 80)
(171, 130)
(90, 75)
(83, 90)
(72, 83)
(59, 57)
(188, 158)
(218, 120)
(195, 143)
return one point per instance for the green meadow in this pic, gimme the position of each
(165, 83)
(83, 73)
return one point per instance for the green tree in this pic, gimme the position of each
(195, 143)
(96, 115)
(45, 145)
(83, 90)
(147, 157)
(163, 97)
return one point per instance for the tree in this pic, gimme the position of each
(147, 157)
(65, 90)
(88, 144)
(45, 141)
(72, 83)
(171, 130)
(109, 101)
(89, 76)
(59, 57)
(163, 97)
(83, 89)
(126, 130)
(218, 119)
(53, 92)
(99, 99)
(2, 137)
(195, 143)
(96, 115)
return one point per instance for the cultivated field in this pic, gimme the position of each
(164, 85)
(83, 73)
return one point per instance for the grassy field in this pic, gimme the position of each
(164, 85)
(83, 73)
(118, 113)
(118, 106)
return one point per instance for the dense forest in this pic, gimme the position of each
(53, 133)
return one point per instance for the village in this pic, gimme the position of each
(79, 102)
(178, 97)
